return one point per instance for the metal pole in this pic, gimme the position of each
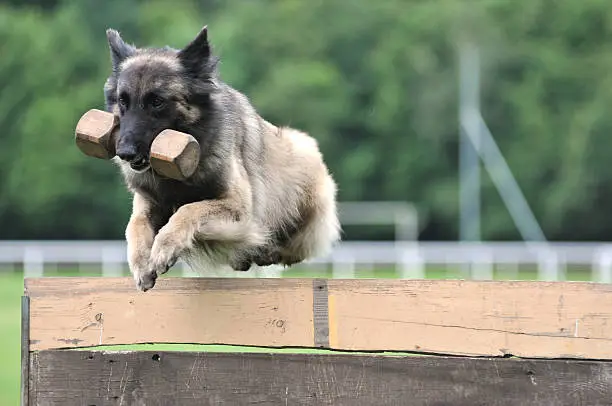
(469, 164)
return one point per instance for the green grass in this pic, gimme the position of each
(11, 289)
(10, 327)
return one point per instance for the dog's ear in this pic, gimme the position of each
(118, 48)
(195, 56)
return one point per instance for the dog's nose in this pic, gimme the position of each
(127, 154)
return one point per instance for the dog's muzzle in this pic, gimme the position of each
(140, 165)
(138, 162)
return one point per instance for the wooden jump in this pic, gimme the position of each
(401, 342)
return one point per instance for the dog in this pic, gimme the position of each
(261, 194)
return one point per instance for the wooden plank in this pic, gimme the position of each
(485, 318)
(477, 318)
(138, 378)
(72, 312)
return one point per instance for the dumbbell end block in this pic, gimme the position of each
(93, 148)
(94, 134)
(175, 155)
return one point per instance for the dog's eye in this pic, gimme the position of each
(157, 102)
(124, 100)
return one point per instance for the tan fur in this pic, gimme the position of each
(139, 236)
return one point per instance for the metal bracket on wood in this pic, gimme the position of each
(320, 313)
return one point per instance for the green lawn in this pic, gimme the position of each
(11, 289)
(10, 327)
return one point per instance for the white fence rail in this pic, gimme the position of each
(478, 258)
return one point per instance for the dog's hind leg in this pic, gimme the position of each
(321, 229)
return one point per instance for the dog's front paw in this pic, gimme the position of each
(164, 255)
(145, 280)
(139, 264)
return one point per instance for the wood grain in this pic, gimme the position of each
(174, 154)
(147, 378)
(482, 318)
(527, 319)
(73, 312)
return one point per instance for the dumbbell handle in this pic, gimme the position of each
(173, 154)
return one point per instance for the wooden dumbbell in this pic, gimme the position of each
(173, 154)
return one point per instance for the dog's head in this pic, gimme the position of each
(152, 89)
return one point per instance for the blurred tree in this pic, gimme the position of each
(374, 82)
(50, 75)
(30, 4)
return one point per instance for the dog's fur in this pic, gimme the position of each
(261, 194)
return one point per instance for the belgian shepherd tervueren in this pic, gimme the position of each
(262, 194)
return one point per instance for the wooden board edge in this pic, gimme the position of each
(221, 348)
(70, 286)
(62, 279)
(40, 285)
(236, 350)
(315, 355)
(25, 350)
